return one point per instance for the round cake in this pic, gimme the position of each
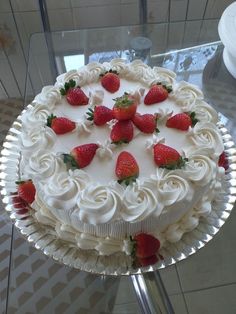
(121, 157)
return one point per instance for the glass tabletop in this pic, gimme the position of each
(204, 282)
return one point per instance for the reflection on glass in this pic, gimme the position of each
(74, 61)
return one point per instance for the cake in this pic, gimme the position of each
(150, 172)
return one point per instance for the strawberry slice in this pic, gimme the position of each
(157, 93)
(100, 115)
(223, 161)
(124, 107)
(81, 156)
(146, 123)
(74, 95)
(127, 169)
(182, 121)
(60, 125)
(122, 132)
(110, 81)
(167, 157)
(26, 191)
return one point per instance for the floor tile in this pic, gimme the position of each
(219, 300)
(214, 264)
(130, 308)
(126, 292)
(170, 280)
(178, 304)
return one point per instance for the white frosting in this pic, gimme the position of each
(140, 202)
(43, 165)
(35, 139)
(88, 207)
(62, 189)
(50, 96)
(206, 136)
(98, 204)
(36, 116)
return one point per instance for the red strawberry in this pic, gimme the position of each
(122, 132)
(147, 261)
(81, 156)
(146, 123)
(157, 93)
(100, 115)
(110, 81)
(180, 121)
(18, 202)
(167, 157)
(60, 125)
(223, 161)
(145, 245)
(26, 191)
(74, 95)
(125, 107)
(127, 169)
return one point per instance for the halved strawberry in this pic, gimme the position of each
(146, 123)
(74, 95)
(100, 115)
(167, 157)
(124, 107)
(110, 81)
(182, 121)
(223, 161)
(60, 125)
(157, 93)
(127, 169)
(122, 132)
(26, 191)
(81, 156)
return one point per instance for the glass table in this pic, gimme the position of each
(203, 283)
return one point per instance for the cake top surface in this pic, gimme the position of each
(76, 189)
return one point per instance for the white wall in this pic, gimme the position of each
(22, 18)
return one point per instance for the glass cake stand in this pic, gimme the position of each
(35, 283)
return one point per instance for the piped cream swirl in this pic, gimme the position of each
(99, 203)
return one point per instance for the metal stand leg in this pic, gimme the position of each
(48, 37)
(151, 293)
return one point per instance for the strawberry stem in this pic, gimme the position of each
(193, 117)
(90, 114)
(110, 71)
(127, 180)
(70, 161)
(49, 120)
(167, 87)
(175, 165)
(67, 86)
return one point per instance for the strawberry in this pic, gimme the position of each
(26, 191)
(145, 245)
(60, 125)
(74, 95)
(124, 107)
(81, 156)
(122, 132)
(146, 123)
(182, 121)
(147, 261)
(157, 93)
(223, 161)
(127, 169)
(110, 81)
(167, 157)
(18, 202)
(100, 115)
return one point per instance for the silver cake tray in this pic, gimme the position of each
(44, 238)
